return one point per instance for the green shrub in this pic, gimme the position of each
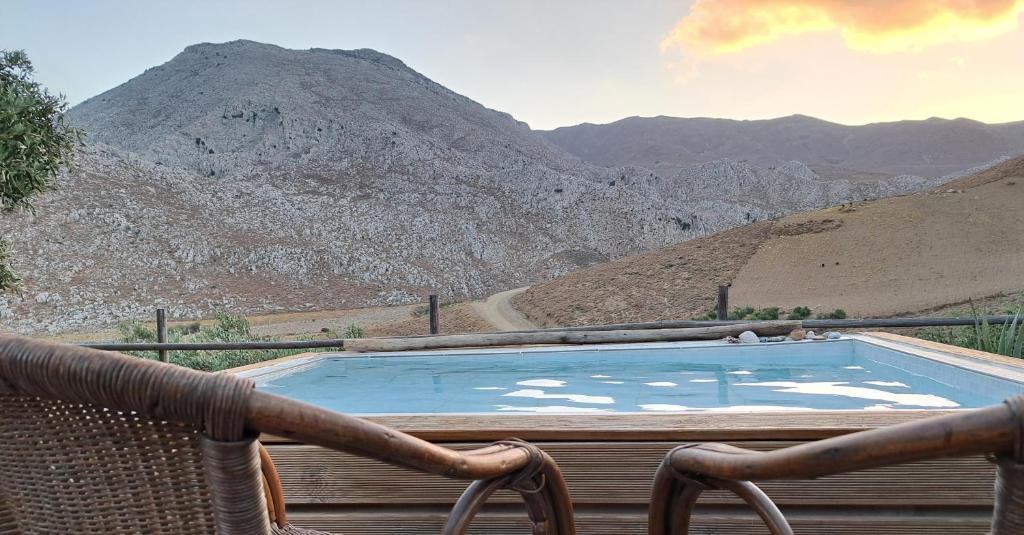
(1006, 339)
(799, 313)
(837, 314)
(756, 314)
(741, 313)
(8, 279)
(353, 331)
(226, 328)
(744, 313)
(770, 313)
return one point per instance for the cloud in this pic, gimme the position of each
(880, 26)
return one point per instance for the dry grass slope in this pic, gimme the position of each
(890, 256)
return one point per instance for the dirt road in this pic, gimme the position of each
(499, 312)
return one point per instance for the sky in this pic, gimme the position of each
(555, 63)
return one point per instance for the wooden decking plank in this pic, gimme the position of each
(810, 425)
(590, 523)
(621, 472)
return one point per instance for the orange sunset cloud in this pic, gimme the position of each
(723, 26)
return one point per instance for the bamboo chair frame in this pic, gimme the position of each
(997, 431)
(207, 423)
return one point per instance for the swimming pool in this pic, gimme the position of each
(681, 377)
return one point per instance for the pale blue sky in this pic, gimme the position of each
(548, 62)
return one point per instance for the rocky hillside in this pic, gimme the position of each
(257, 179)
(885, 257)
(930, 148)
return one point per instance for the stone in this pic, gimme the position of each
(797, 334)
(833, 335)
(748, 337)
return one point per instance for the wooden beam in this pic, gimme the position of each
(763, 328)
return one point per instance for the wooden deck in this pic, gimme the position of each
(610, 483)
(609, 460)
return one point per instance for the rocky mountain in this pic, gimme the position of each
(930, 148)
(253, 178)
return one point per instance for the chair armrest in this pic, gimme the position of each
(993, 429)
(272, 489)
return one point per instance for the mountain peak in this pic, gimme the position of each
(256, 47)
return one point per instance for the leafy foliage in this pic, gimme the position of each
(8, 279)
(799, 313)
(35, 142)
(746, 313)
(226, 328)
(1006, 339)
(353, 331)
(837, 314)
(750, 313)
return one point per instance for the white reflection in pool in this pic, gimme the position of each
(575, 398)
(886, 383)
(549, 408)
(662, 407)
(843, 389)
(542, 382)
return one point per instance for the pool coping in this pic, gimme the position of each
(695, 426)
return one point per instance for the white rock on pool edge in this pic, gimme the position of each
(748, 337)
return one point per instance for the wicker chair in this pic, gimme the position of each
(692, 468)
(97, 442)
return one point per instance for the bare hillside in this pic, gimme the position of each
(882, 257)
(252, 178)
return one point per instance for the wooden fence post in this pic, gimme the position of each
(161, 332)
(723, 302)
(433, 314)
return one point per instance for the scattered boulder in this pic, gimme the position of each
(798, 334)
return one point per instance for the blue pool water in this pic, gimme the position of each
(835, 375)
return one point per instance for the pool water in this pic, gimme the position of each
(843, 374)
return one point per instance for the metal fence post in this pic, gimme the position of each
(161, 332)
(433, 314)
(723, 302)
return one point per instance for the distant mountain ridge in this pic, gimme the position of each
(929, 148)
(253, 178)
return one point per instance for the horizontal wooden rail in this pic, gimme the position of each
(213, 346)
(667, 324)
(952, 321)
(763, 328)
